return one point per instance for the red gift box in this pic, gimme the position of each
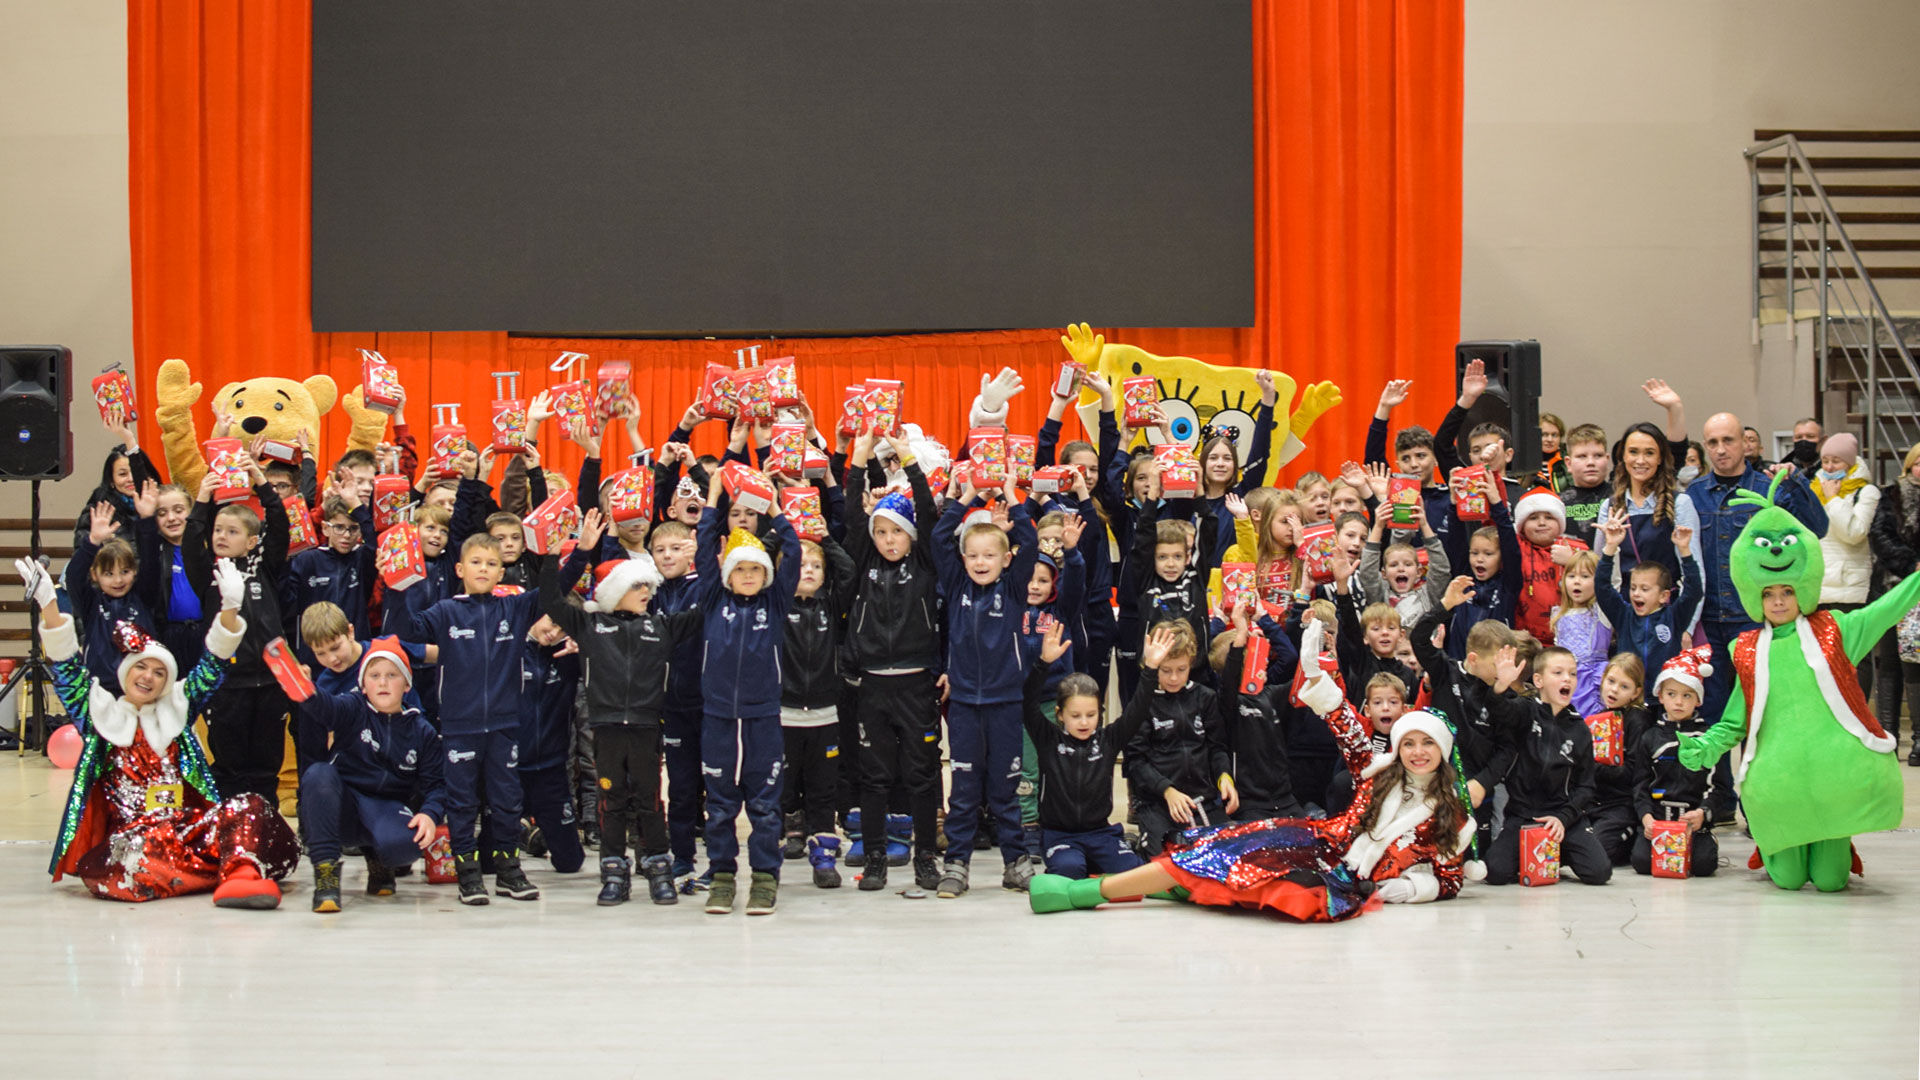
(814, 464)
(379, 382)
(391, 497)
(630, 495)
(1469, 501)
(1179, 470)
(1236, 582)
(719, 394)
(398, 557)
(572, 401)
(853, 410)
(1403, 491)
(1253, 677)
(1539, 856)
(1072, 374)
(1275, 584)
(883, 405)
(1609, 737)
(1316, 550)
(224, 464)
(987, 456)
(439, 861)
(301, 535)
(801, 505)
(286, 669)
(509, 414)
(783, 383)
(747, 487)
(113, 390)
(551, 523)
(787, 454)
(1053, 480)
(448, 439)
(1021, 450)
(276, 450)
(1672, 849)
(1139, 396)
(613, 384)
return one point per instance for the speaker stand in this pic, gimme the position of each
(34, 668)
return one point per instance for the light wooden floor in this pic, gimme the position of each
(1722, 976)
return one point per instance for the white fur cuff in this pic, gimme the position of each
(60, 641)
(222, 642)
(1320, 694)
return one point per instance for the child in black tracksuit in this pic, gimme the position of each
(626, 649)
(1664, 789)
(114, 579)
(894, 641)
(482, 638)
(340, 571)
(549, 682)
(1462, 691)
(1551, 781)
(1612, 816)
(1164, 576)
(1178, 769)
(1077, 756)
(810, 689)
(1256, 726)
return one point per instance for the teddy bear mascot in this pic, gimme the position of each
(278, 409)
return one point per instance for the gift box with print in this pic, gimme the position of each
(301, 534)
(883, 405)
(391, 498)
(1053, 480)
(398, 557)
(1539, 856)
(1316, 550)
(747, 487)
(801, 505)
(1609, 737)
(853, 411)
(286, 670)
(509, 414)
(1139, 398)
(630, 495)
(1072, 374)
(551, 523)
(225, 463)
(1179, 470)
(987, 453)
(787, 451)
(1403, 494)
(113, 390)
(1021, 450)
(613, 387)
(1237, 582)
(448, 438)
(1253, 677)
(380, 382)
(1672, 849)
(719, 394)
(1469, 497)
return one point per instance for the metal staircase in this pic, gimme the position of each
(1807, 264)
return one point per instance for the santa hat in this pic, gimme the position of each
(136, 645)
(1419, 720)
(1690, 669)
(1540, 501)
(742, 548)
(615, 577)
(896, 508)
(388, 649)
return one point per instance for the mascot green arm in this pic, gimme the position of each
(1700, 754)
(1861, 630)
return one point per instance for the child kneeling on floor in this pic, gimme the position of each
(1664, 789)
(1077, 756)
(383, 761)
(1551, 781)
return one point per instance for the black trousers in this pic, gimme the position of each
(1615, 828)
(627, 757)
(1893, 679)
(899, 720)
(1580, 851)
(1158, 829)
(811, 781)
(247, 735)
(1702, 861)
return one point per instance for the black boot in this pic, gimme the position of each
(794, 843)
(660, 886)
(379, 878)
(873, 876)
(473, 887)
(616, 881)
(509, 880)
(326, 887)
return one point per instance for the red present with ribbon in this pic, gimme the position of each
(801, 505)
(399, 558)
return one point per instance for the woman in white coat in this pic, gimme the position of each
(1846, 490)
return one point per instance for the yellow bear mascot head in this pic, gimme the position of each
(266, 407)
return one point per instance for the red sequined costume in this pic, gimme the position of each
(143, 820)
(1311, 870)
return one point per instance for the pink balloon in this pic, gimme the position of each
(63, 747)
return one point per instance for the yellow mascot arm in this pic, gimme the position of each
(369, 426)
(1315, 400)
(174, 395)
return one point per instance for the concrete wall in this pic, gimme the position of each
(1606, 200)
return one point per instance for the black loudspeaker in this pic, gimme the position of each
(1512, 399)
(36, 390)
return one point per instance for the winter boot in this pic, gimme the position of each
(953, 879)
(823, 851)
(899, 839)
(1019, 872)
(243, 887)
(873, 876)
(660, 885)
(511, 881)
(794, 844)
(926, 870)
(1048, 893)
(532, 841)
(379, 878)
(856, 840)
(326, 887)
(616, 881)
(473, 887)
(720, 895)
(763, 893)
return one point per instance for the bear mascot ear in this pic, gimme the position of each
(324, 392)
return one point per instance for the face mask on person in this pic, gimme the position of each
(1833, 476)
(1688, 474)
(1805, 454)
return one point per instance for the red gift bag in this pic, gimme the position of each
(286, 670)
(1539, 856)
(399, 558)
(1672, 845)
(801, 505)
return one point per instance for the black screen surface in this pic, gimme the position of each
(714, 166)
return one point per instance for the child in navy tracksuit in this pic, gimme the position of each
(339, 572)
(549, 682)
(328, 634)
(810, 689)
(672, 545)
(985, 583)
(1056, 595)
(380, 785)
(481, 636)
(1077, 757)
(743, 602)
(1493, 559)
(397, 609)
(109, 581)
(1650, 619)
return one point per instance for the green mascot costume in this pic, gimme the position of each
(1813, 766)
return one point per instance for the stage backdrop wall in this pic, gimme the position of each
(1357, 112)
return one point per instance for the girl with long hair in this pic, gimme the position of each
(1643, 482)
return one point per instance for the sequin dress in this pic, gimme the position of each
(145, 825)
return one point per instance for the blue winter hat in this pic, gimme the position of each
(896, 508)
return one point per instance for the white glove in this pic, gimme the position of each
(231, 583)
(1396, 891)
(990, 408)
(39, 584)
(1312, 638)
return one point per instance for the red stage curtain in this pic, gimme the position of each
(1357, 112)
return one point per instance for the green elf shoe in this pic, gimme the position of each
(1178, 893)
(1048, 893)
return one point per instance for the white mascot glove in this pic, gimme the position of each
(990, 408)
(35, 577)
(1317, 691)
(1397, 891)
(231, 583)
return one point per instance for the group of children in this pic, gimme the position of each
(1489, 671)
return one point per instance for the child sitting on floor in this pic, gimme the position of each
(1077, 756)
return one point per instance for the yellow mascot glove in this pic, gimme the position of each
(1315, 400)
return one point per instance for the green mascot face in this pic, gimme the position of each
(1775, 549)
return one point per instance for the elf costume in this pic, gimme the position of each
(1813, 766)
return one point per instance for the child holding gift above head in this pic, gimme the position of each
(1267, 534)
(985, 573)
(110, 581)
(744, 601)
(379, 784)
(810, 691)
(1369, 639)
(179, 566)
(1552, 780)
(1663, 788)
(341, 571)
(1077, 756)
(1390, 570)
(1493, 560)
(1616, 726)
(1413, 455)
(1097, 503)
(1350, 539)
(1179, 772)
(1541, 520)
(626, 538)
(1255, 724)
(1222, 473)
(1650, 620)
(125, 470)
(397, 609)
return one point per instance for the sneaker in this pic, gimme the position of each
(762, 893)
(1018, 873)
(660, 885)
(379, 878)
(473, 887)
(326, 887)
(926, 871)
(823, 851)
(720, 895)
(953, 879)
(873, 877)
(616, 881)
(511, 881)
